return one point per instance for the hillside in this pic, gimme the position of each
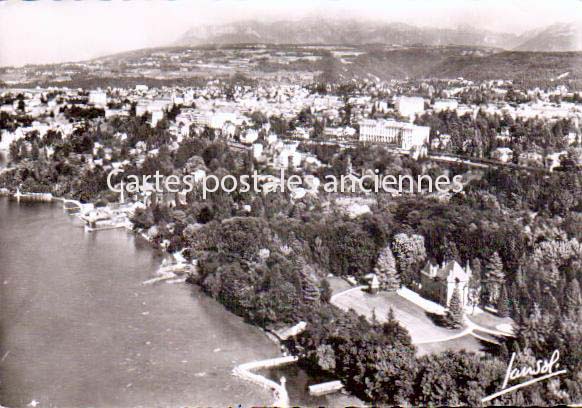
(470, 63)
(515, 65)
(189, 65)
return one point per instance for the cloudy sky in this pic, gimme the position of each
(47, 31)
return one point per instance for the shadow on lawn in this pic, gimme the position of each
(438, 320)
(493, 344)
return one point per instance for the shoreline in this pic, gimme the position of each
(245, 371)
(241, 371)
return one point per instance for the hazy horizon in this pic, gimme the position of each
(34, 32)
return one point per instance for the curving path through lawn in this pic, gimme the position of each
(411, 311)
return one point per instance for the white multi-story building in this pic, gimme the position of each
(141, 107)
(573, 138)
(188, 97)
(157, 115)
(249, 136)
(6, 138)
(445, 104)
(98, 98)
(257, 151)
(229, 130)
(409, 105)
(215, 120)
(272, 139)
(404, 135)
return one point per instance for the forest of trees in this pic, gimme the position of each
(477, 136)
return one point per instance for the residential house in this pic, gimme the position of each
(437, 283)
(503, 154)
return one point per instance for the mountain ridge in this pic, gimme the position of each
(554, 38)
(558, 37)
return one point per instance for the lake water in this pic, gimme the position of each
(79, 329)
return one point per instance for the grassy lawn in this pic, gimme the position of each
(338, 285)
(489, 320)
(414, 318)
(467, 342)
(411, 316)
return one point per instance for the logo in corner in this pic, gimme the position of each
(543, 370)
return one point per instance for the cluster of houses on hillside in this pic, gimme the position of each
(187, 112)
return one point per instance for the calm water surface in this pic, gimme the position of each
(78, 328)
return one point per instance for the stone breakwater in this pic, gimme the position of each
(245, 371)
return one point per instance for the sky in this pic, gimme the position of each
(48, 31)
